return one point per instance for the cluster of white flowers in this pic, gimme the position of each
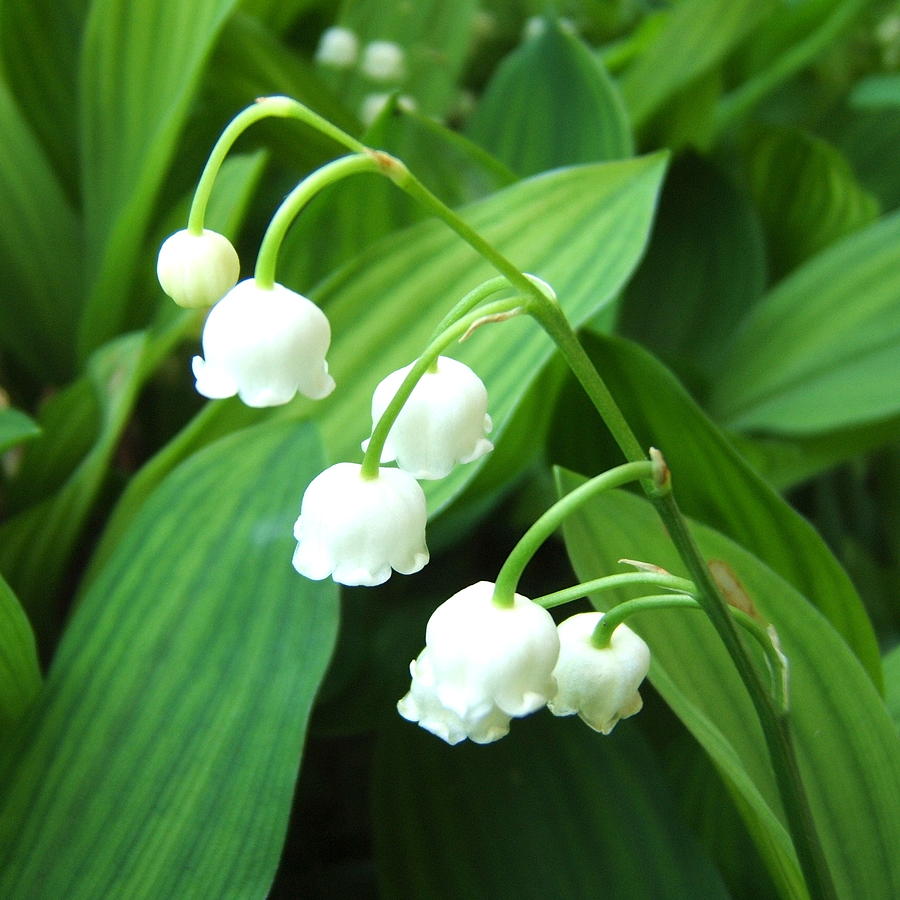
(484, 664)
(268, 344)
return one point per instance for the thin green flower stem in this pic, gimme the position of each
(611, 582)
(372, 458)
(774, 719)
(614, 617)
(474, 298)
(511, 571)
(296, 200)
(775, 724)
(263, 108)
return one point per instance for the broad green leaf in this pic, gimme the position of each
(16, 428)
(552, 810)
(160, 759)
(876, 91)
(848, 748)
(820, 351)
(40, 253)
(787, 461)
(869, 138)
(38, 42)
(705, 267)
(64, 470)
(892, 683)
(785, 44)
(279, 15)
(697, 35)
(434, 35)
(140, 67)
(20, 674)
(713, 483)
(583, 229)
(806, 193)
(550, 103)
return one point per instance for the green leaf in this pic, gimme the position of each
(892, 683)
(64, 470)
(820, 351)
(705, 267)
(140, 66)
(869, 138)
(550, 103)
(16, 428)
(277, 14)
(160, 760)
(39, 41)
(40, 253)
(785, 44)
(552, 810)
(20, 674)
(806, 193)
(848, 748)
(697, 35)
(384, 305)
(714, 483)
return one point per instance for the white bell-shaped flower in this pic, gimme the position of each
(600, 685)
(482, 665)
(195, 270)
(265, 345)
(384, 61)
(443, 422)
(358, 529)
(338, 47)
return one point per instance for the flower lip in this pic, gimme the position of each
(266, 345)
(600, 685)
(444, 421)
(482, 665)
(358, 530)
(195, 270)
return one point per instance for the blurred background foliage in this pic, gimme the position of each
(163, 669)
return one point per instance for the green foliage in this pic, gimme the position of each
(549, 104)
(146, 535)
(175, 710)
(848, 747)
(558, 783)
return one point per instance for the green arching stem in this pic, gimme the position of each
(614, 617)
(521, 554)
(611, 582)
(372, 458)
(775, 722)
(296, 200)
(263, 108)
(474, 298)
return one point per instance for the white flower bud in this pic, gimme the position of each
(443, 422)
(384, 61)
(600, 685)
(357, 529)
(338, 48)
(195, 270)
(266, 345)
(482, 665)
(372, 105)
